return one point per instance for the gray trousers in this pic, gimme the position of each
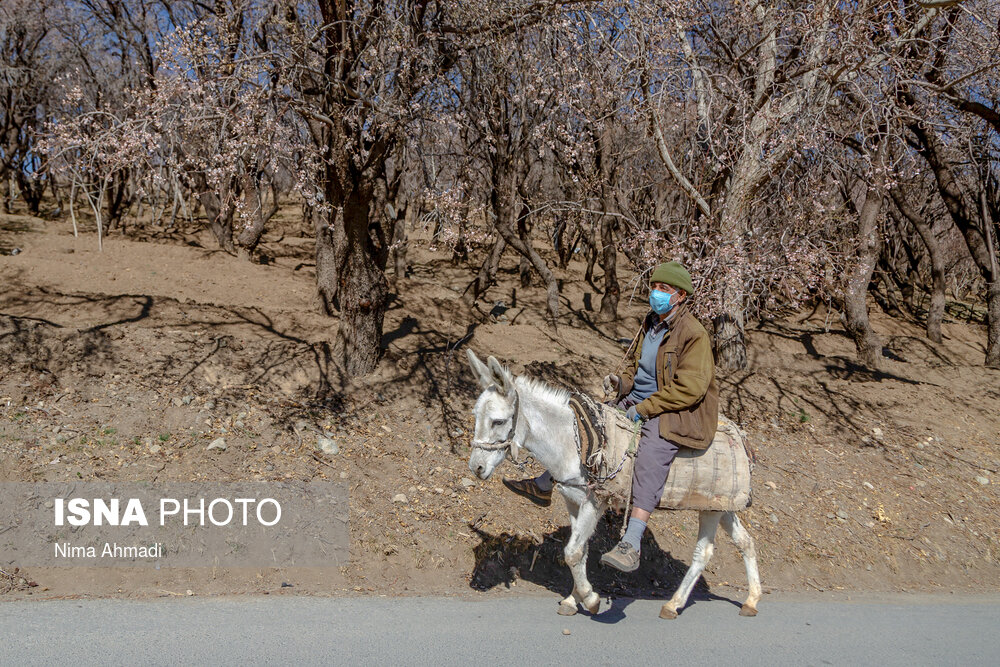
(652, 463)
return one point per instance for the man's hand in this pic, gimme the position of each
(612, 385)
(633, 414)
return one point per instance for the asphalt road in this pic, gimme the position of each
(524, 630)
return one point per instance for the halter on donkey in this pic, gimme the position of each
(524, 413)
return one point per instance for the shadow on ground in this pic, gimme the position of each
(501, 560)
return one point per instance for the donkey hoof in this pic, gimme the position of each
(747, 610)
(567, 608)
(593, 603)
(668, 612)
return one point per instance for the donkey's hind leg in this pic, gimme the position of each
(583, 520)
(708, 523)
(731, 524)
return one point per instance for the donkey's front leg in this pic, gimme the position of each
(583, 516)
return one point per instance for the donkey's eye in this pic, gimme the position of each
(499, 422)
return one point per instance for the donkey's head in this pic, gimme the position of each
(496, 416)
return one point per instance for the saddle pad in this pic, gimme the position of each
(716, 478)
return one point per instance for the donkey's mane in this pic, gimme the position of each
(542, 390)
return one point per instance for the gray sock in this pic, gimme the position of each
(633, 534)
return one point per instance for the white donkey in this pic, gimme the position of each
(524, 413)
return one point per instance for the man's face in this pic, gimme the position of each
(678, 295)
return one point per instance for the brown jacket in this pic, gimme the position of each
(687, 398)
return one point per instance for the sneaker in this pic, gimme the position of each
(623, 557)
(530, 490)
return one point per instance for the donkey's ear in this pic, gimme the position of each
(502, 376)
(482, 373)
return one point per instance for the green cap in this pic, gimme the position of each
(673, 273)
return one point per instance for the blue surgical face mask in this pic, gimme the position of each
(660, 302)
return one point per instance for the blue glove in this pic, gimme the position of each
(633, 414)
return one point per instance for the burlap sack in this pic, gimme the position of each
(717, 478)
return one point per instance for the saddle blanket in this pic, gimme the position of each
(716, 478)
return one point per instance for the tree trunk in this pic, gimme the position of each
(72, 202)
(460, 253)
(222, 225)
(609, 223)
(363, 294)
(524, 232)
(563, 252)
(730, 341)
(590, 254)
(5, 195)
(31, 192)
(116, 200)
(935, 313)
(903, 271)
(609, 260)
(219, 212)
(330, 242)
(730, 337)
(487, 272)
(524, 271)
(348, 279)
(748, 176)
(524, 247)
(57, 196)
(249, 237)
(382, 221)
(990, 233)
(980, 244)
(885, 284)
(504, 194)
(859, 275)
(399, 246)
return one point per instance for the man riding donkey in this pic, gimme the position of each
(669, 387)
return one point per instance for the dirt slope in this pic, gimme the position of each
(125, 364)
